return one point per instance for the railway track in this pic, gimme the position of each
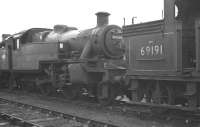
(143, 112)
(187, 116)
(165, 111)
(25, 115)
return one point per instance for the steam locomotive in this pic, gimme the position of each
(63, 59)
(164, 56)
(163, 59)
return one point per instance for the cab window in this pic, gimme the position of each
(176, 10)
(16, 44)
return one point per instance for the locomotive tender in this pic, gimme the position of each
(164, 56)
(63, 59)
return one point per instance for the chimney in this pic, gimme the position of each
(102, 18)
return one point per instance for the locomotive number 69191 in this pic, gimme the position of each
(152, 49)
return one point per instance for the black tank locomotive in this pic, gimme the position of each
(63, 59)
(163, 56)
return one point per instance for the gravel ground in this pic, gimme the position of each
(99, 114)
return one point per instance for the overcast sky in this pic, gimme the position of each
(17, 15)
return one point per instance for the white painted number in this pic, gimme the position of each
(142, 51)
(153, 50)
